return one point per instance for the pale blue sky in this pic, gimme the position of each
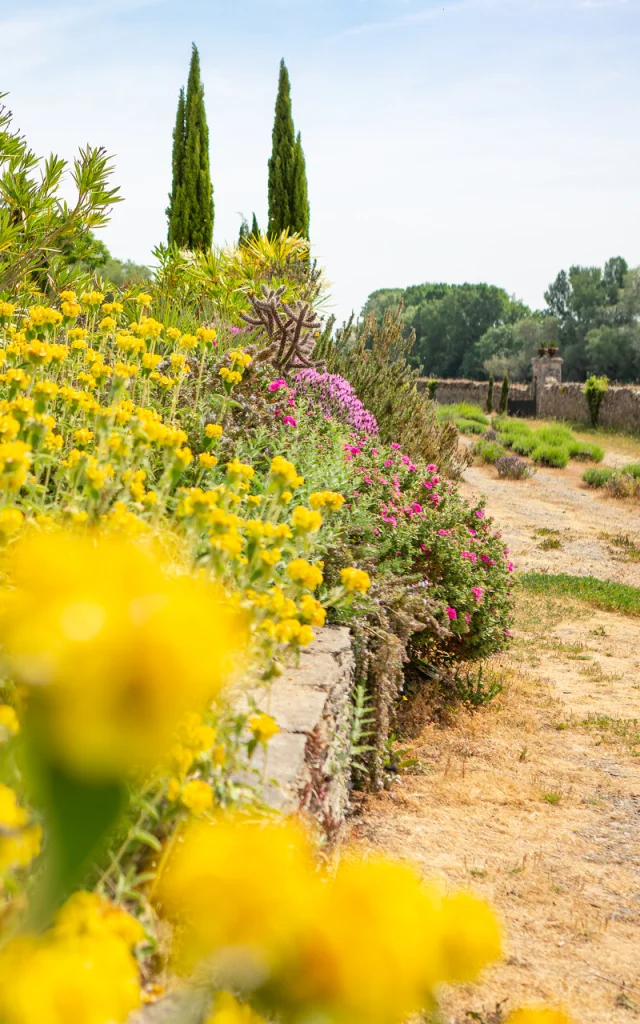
(492, 140)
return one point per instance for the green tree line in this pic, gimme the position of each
(475, 330)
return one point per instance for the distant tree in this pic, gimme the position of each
(288, 192)
(191, 210)
(504, 395)
(255, 227)
(244, 231)
(490, 395)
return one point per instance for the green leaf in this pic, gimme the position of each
(142, 836)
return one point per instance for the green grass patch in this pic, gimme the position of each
(583, 451)
(611, 597)
(489, 451)
(464, 411)
(597, 477)
(550, 455)
(558, 436)
(468, 426)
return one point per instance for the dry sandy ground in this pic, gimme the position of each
(535, 802)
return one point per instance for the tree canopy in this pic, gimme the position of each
(288, 191)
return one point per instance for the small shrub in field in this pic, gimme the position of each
(510, 467)
(596, 477)
(463, 410)
(633, 469)
(623, 485)
(490, 435)
(468, 426)
(556, 434)
(489, 451)
(584, 451)
(524, 444)
(551, 455)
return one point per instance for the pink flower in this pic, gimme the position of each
(480, 513)
(435, 499)
(435, 481)
(510, 567)
(275, 385)
(395, 445)
(492, 561)
(406, 460)
(485, 558)
(423, 547)
(376, 533)
(416, 507)
(472, 533)
(388, 462)
(467, 617)
(289, 421)
(477, 593)
(432, 468)
(452, 613)
(374, 451)
(444, 533)
(508, 632)
(427, 484)
(368, 480)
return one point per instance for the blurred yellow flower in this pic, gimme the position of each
(326, 499)
(263, 727)
(538, 1015)
(9, 724)
(213, 430)
(103, 635)
(355, 580)
(301, 571)
(304, 520)
(197, 796)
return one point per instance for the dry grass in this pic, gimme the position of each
(534, 803)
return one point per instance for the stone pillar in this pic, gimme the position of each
(547, 366)
(546, 370)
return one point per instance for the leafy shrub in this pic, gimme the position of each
(597, 477)
(594, 392)
(524, 444)
(510, 467)
(468, 426)
(623, 485)
(551, 455)
(489, 451)
(585, 451)
(464, 411)
(374, 359)
(632, 469)
(555, 434)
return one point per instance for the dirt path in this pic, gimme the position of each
(535, 801)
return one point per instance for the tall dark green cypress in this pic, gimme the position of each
(174, 209)
(255, 227)
(288, 193)
(191, 208)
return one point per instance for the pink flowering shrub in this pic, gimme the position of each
(333, 397)
(415, 524)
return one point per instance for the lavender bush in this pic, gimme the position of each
(512, 468)
(337, 399)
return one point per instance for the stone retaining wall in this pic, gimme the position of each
(450, 392)
(307, 762)
(620, 406)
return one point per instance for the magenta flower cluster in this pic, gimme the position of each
(336, 399)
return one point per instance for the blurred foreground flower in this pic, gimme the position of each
(113, 649)
(368, 944)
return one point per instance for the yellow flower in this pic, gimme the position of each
(42, 316)
(77, 334)
(9, 723)
(188, 342)
(263, 727)
(271, 557)
(290, 631)
(286, 496)
(142, 299)
(207, 460)
(312, 610)
(237, 468)
(101, 634)
(206, 334)
(112, 307)
(181, 759)
(81, 979)
(83, 436)
(235, 884)
(229, 376)
(11, 520)
(326, 499)
(538, 1015)
(92, 298)
(173, 333)
(470, 936)
(70, 309)
(219, 755)
(285, 473)
(301, 571)
(197, 796)
(229, 1011)
(355, 580)
(68, 296)
(304, 520)
(173, 790)
(107, 324)
(213, 430)
(239, 358)
(19, 841)
(87, 913)
(15, 459)
(6, 309)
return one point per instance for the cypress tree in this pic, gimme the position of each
(255, 228)
(244, 231)
(174, 209)
(504, 395)
(288, 196)
(490, 394)
(191, 208)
